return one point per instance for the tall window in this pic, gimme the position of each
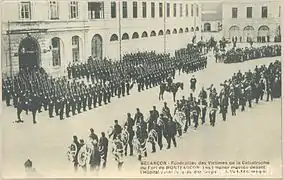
(249, 12)
(134, 9)
(144, 9)
(175, 9)
(152, 9)
(56, 59)
(53, 10)
(75, 48)
(197, 10)
(234, 12)
(160, 9)
(124, 9)
(180, 10)
(191, 10)
(279, 11)
(73, 10)
(96, 10)
(168, 10)
(264, 11)
(25, 10)
(186, 10)
(113, 9)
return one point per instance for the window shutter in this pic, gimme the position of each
(69, 9)
(19, 10)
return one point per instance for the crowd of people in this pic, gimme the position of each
(33, 89)
(237, 92)
(236, 55)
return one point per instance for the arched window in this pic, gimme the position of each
(76, 48)
(56, 51)
(180, 30)
(197, 28)
(144, 34)
(248, 33)
(191, 29)
(207, 27)
(175, 31)
(97, 46)
(125, 36)
(263, 34)
(234, 33)
(186, 29)
(135, 35)
(161, 33)
(114, 37)
(168, 32)
(153, 33)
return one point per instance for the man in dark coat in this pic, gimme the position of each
(117, 129)
(95, 160)
(171, 130)
(103, 144)
(129, 126)
(93, 136)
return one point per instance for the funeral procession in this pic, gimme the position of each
(119, 88)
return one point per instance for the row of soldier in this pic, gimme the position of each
(243, 54)
(32, 89)
(236, 92)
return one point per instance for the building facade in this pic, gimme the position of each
(211, 21)
(258, 21)
(54, 33)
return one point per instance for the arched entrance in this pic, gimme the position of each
(263, 34)
(248, 33)
(76, 48)
(207, 27)
(234, 33)
(29, 53)
(97, 47)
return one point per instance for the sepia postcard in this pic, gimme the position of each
(141, 89)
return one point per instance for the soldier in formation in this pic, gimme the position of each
(35, 90)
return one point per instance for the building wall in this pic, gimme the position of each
(42, 29)
(272, 21)
(213, 24)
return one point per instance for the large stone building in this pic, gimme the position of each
(258, 21)
(211, 20)
(55, 33)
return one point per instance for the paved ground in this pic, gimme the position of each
(252, 135)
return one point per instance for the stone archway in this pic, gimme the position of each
(29, 53)
(248, 33)
(234, 33)
(263, 34)
(97, 46)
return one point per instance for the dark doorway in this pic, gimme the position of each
(29, 53)
(97, 47)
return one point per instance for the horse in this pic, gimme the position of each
(27, 105)
(172, 88)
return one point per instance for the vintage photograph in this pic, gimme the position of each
(138, 88)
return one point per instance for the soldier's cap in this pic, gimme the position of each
(75, 137)
(116, 121)
(92, 129)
